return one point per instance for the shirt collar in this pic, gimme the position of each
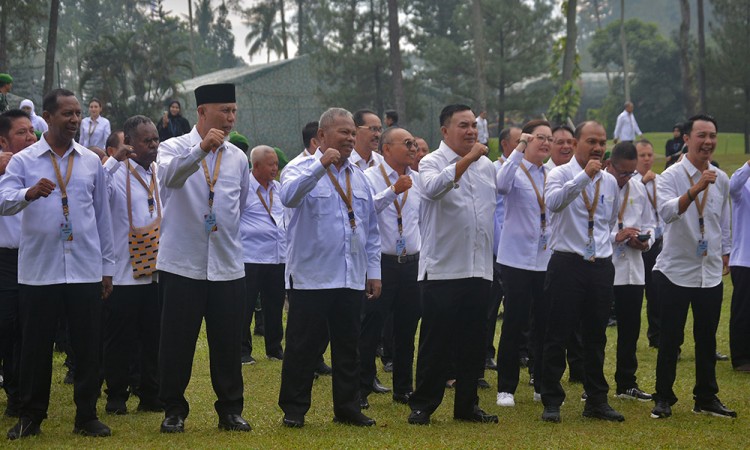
(255, 184)
(42, 147)
(357, 157)
(691, 169)
(447, 152)
(319, 154)
(577, 168)
(391, 171)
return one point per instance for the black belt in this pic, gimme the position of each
(400, 259)
(577, 256)
(9, 252)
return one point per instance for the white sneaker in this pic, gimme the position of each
(537, 397)
(505, 399)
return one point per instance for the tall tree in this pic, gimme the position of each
(688, 79)
(264, 30)
(20, 25)
(564, 105)
(282, 12)
(480, 54)
(701, 57)
(624, 45)
(49, 59)
(396, 64)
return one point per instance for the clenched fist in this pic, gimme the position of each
(593, 167)
(212, 140)
(331, 156)
(402, 184)
(42, 188)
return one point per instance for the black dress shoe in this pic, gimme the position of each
(278, 356)
(92, 428)
(379, 388)
(358, 420)
(551, 414)
(388, 367)
(721, 357)
(293, 422)
(523, 361)
(602, 411)
(323, 369)
(419, 417)
(116, 407)
(25, 427)
(483, 384)
(173, 424)
(477, 415)
(363, 403)
(233, 422)
(402, 398)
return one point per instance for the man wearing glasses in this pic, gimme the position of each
(369, 128)
(396, 196)
(633, 236)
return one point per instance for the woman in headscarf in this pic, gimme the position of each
(172, 124)
(37, 122)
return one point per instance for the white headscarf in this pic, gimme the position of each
(37, 122)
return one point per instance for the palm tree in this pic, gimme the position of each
(264, 30)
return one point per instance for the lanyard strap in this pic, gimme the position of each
(653, 200)
(539, 197)
(267, 206)
(347, 198)
(92, 129)
(63, 183)
(153, 192)
(212, 182)
(591, 208)
(400, 207)
(623, 207)
(149, 188)
(699, 204)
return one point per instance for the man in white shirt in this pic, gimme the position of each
(739, 265)
(16, 133)
(626, 128)
(369, 129)
(396, 196)
(264, 251)
(457, 182)
(483, 131)
(561, 150)
(694, 203)
(333, 260)
(423, 148)
(65, 261)
(133, 312)
(204, 183)
(581, 198)
(632, 237)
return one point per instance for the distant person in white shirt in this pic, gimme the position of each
(369, 129)
(633, 236)
(694, 203)
(739, 265)
(626, 128)
(65, 262)
(561, 150)
(457, 182)
(483, 131)
(204, 183)
(423, 148)
(581, 198)
(333, 261)
(95, 129)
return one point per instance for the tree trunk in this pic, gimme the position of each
(397, 66)
(49, 58)
(283, 29)
(501, 82)
(571, 33)
(624, 44)
(701, 58)
(300, 27)
(688, 81)
(192, 48)
(599, 27)
(747, 120)
(376, 70)
(477, 26)
(4, 38)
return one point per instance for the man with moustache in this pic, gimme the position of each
(457, 182)
(333, 261)
(204, 183)
(133, 312)
(578, 288)
(396, 196)
(369, 129)
(694, 203)
(65, 262)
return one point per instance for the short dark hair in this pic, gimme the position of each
(581, 126)
(393, 115)
(563, 127)
(359, 116)
(131, 125)
(447, 113)
(504, 134)
(309, 131)
(114, 139)
(688, 127)
(8, 117)
(94, 99)
(644, 141)
(533, 124)
(50, 104)
(624, 151)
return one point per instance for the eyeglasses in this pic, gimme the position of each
(543, 138)
(620, 174)
(373, 128)
(408, 143)
(562, 142)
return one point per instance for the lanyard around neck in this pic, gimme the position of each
(346, 198)
(699, 204)
(539, 197)
(149, 188)
(268, 206)
(623, 207)
(63, 183)
(212, 182)
(591, 208)
(400, 207)
(652, 200)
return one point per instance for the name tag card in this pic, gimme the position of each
(210, 222)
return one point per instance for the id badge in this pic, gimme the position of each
(542, 242)
(658, 232)
(354, 244)
(210, 222)
(401, 248)
(589, 253)
(702, 250)
(621, 250)
(66, 232)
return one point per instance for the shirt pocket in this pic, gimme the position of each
(360, 205)
(321, 203)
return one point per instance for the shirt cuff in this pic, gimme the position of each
(389, 194)
(112, 165)
(197, 153)
(318, 170)
(373, 273)
(108, 269)
(21, 196)
(582, 179)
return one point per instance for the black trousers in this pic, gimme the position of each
(674, 302)
(313, 316)
(578, 291)
(524, 291)
(401, 299)
(131, 330)
(493, 308)
(39, 309)
(652, 295)
(628, 304)
(739, 321)
(185, 303)
(10, 330)
(454, 314)
(268, 281)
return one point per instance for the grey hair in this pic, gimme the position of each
(259, 152)
(330, 115)
(131, 125)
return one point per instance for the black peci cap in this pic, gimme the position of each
(215, 93)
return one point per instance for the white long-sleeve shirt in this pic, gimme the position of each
(679, 260)
(739, 189)
(628, 261)
(626, 128)
(94, 133)
(263, 238)
(44, 258)
(375, 159)
(186, 248)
